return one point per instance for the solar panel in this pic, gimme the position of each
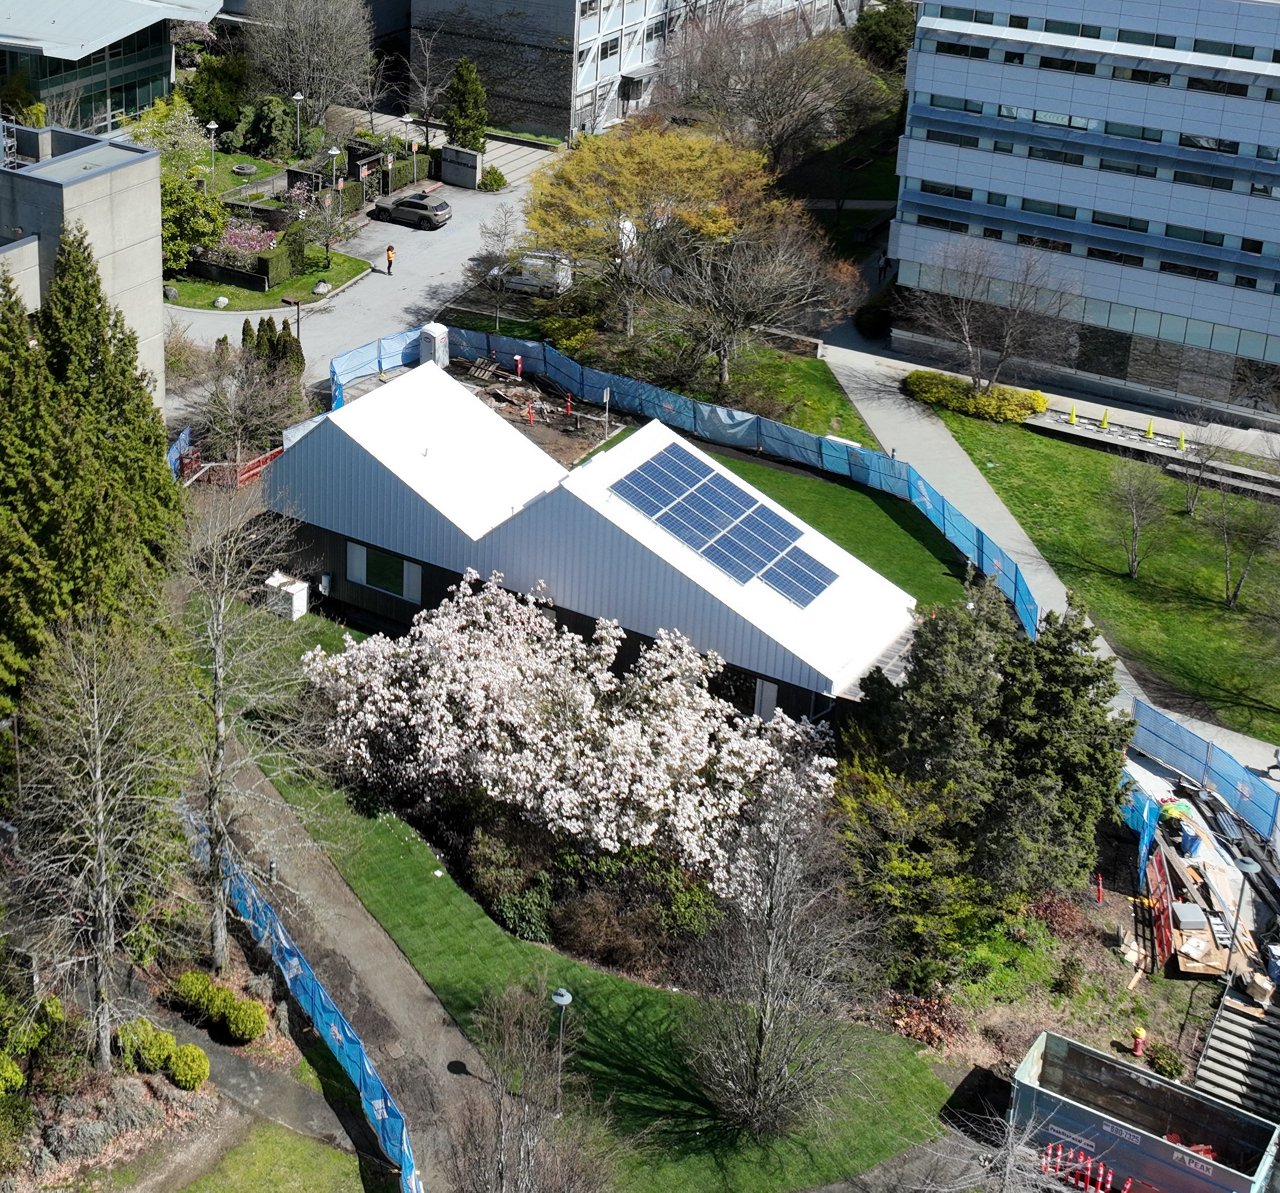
(707, 511)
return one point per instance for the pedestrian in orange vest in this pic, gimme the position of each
(391, 258)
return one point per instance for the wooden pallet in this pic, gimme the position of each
(485, 370)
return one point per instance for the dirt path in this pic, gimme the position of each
(410, 1038)
(180, 1161)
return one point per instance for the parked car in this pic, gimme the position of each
(420, 210)
(544, 274)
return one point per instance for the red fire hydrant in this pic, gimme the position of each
(519, 366)
(1139, 1041)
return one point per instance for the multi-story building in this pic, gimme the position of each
(51, 178)
(573, 66)
(92, 61)
(1137, 144)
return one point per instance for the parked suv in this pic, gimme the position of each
(421, 210)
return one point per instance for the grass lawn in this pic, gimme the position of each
(224, 179)
(887, 534)
(1171, 621)
(273, 1157)
(196, 292)
(520, 329)
(627, 1047)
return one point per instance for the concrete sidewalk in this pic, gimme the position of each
(918, 436)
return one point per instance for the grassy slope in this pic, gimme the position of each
(1171, 621)
(273, 1157)
(627, 1048)
(195, 292)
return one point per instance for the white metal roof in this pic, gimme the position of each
(74, 29)
(445, 444)
(841, 634)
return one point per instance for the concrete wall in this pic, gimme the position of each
(21, 259)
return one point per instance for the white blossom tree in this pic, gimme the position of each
(486, 694)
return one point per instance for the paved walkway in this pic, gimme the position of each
(871, 381)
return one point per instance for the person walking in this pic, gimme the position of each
(391, 258)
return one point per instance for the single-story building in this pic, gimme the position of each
(404, 489)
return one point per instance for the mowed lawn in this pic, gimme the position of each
(1192, 652)
(276, 1158)
(627, 1049)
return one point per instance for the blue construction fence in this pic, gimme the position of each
(384, 1116)
(1164, 739)
(1142, 814)
(713, 424)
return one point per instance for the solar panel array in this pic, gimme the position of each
(723, 523)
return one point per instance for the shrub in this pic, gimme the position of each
(1070, 977)
(16, 1114)
(1001, 403)
(155, 1050)
(11, 1079)
(1164, 1059)
(931, 1021)
(128, 1037)
(491, 179)
(246, 1021)
(221, 1003)
(1063, 916)
(189, 1067)
(526, 913)
(295, 244)
(192, 990)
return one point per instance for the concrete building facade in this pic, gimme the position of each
(51, 178)
(1138, 149)
(573, 66)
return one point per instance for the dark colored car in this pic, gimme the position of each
(418, 211)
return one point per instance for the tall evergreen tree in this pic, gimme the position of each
(248, 337)
(466, 117)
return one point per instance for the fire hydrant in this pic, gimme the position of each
(1139, 1040)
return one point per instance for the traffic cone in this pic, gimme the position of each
(1151, 429)
(1106, 420)
(1071, 418)
(1182, 441)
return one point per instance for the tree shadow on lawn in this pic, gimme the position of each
(913, 523)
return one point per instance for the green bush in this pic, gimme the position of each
(155, 1050)
(1000, 403)
(16, 1113)
(491, 179)
(295, 246)
(1164, 1059)
(189, 1067)
(192, 990)
(275, 265)
(221, 1003)
(526, 913)
(128, 1038)
(11, 1078)
(246, 1021)
(1070, 977)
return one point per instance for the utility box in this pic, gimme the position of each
(1162, 1135)
(433, 344)
(287, 596)
(460, 167)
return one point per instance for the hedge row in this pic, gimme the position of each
(144, 1048)
(244, 1019)
(998, 403)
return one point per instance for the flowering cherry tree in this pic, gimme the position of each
(485, 694)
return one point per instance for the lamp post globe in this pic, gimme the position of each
(212, 126)
(562, 998)
(298, 97)
(333, 159)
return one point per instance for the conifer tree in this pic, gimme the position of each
(467, 115)
(267, 335)
(248, 337)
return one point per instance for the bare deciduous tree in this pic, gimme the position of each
(990, 309)
(370, 86)
(500, 237)
(327, 223)
(428, 78)
(1206, 444)
(507, 1136)
(1248, 529)
(992, 1155)
(771, 272)
(765, 1042)
(317, 47)
(100, 842)
(246, 664)
(1137, 494)
(768, 82)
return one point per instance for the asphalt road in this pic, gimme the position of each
(429, 270)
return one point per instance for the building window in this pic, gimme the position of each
(1189, 271)
(997, 200)
(1014, 57)
(1152, 78)
(1072, 29)
(1193, 178)
(1118, 128)
(1016, 22)
(992, 234)
(950, 12)
(1216, 86)
(1194, 235)
(956, 104)
(657, 30)
(371, 568)
(1070, 65)
(1261, 190)
(1249, 245)
(1134, 38)
(1215, 144)
(1131, 223)
(1224, 49)
(947, 190)
(1039, 242)
(1115, 258)
(1245, 282)
(1268, 153)
(588, 8)
(1062, 119)
(1056, 155)
(1058, 210)
(937, 135)
(609, 48)
(1137, 169)
(1001, 146)
(962, 51)
(933, 221)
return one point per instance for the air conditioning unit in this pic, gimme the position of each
(326, 582)
(287, 596)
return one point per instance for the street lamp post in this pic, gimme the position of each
(405, 121)
(1246, 866)
(333, 169)
(296, 303)
(212, 126)
(297, 119)
(562, 998)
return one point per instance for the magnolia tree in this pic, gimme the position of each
(487, 694)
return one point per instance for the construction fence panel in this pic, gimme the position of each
(1142, 814)
(563, 371)
(505, 349)
(385, 1118)
(729, 428)
(1165, 740)
(176, 448)
(790, 443)
(928, 501)
(403, 348)
(1251, 798)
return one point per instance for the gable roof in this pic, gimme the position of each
(74, 29)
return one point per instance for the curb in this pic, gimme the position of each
(320, 299)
